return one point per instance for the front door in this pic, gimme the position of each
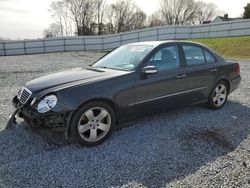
(165, 89)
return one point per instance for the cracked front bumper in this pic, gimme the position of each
(57, 121)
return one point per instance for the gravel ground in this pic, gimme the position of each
(190, 147)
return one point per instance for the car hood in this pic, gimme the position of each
(69, 78)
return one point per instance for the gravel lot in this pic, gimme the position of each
(190, 147)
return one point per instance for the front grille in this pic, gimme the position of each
(23, 95)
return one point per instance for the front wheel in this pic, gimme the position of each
(92, 123)
(218, 96)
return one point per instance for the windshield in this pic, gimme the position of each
(124, 58)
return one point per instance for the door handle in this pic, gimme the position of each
(213, 70)
(181, 76)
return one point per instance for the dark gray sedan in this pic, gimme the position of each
(132, 81)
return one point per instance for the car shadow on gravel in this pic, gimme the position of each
(155, 151)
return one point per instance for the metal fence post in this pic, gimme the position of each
(24, 45)
(191, 32)
(64, 44)
(209, 31)
(138, 36)
(175, 30)
(4, 49)
(84, 44)
(102, 44)
(157, 35)
(230, 30)
(43, 46)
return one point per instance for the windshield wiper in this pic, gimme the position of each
(112, 68)
(103, 67)
(94, 69)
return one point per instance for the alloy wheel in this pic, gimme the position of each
(219, 95)
(94, 124)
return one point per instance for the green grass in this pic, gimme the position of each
(231, 47)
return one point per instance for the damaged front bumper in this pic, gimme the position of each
(56, 121)
(12, 120)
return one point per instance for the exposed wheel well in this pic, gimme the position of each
(227, 82)
(105, 100)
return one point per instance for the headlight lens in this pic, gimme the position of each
(47, 103)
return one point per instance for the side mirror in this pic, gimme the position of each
(149, 70)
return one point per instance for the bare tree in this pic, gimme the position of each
(138, 20)
(178, 12)
(101, 7)
(125, 15)
(54, 30)
(83, 14)
(90, 17)
(60, 13)
(74, 7)
(205, 12)
(110, 27)
(154, 20)
(122, 12)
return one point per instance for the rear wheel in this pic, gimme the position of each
(92, 123)
(218, 96)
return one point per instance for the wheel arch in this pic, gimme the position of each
(105, 100)
(226, 81)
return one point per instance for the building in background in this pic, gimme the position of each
(225, 18)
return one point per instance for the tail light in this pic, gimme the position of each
(238, 68)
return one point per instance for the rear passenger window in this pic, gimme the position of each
(193, 55)
(209, 57)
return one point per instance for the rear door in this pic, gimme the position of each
(201, 71)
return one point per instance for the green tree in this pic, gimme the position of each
(246, 14)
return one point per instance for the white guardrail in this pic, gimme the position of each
(106, 42)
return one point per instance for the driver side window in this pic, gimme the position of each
(166, 58)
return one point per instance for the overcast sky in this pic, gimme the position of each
(26, 19)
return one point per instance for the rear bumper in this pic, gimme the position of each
(235, 84)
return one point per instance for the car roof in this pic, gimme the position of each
(157, 43)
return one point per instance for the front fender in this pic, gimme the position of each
(118, 90)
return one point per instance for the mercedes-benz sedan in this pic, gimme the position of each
(132, 81)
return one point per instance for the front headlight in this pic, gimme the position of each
(47, 103)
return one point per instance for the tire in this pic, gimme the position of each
(218, 96)
(92, 123)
